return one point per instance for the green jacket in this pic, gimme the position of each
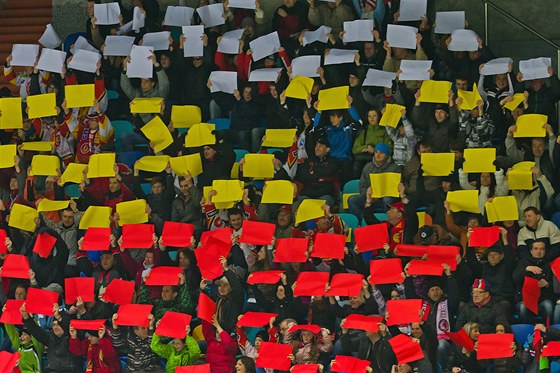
(370, 135)
(31, 353)
(182, 303)
(187, 356)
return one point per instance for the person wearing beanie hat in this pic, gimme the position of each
(251, 349)
(366, 140)
(30, 349)
(99, 352)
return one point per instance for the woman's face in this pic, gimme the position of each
(500, 329)
(224, 289)
(306, 337)
(474, 334)
(395, 295)
(239, 367)
(485, 179)
(373, 117)
(184, 260)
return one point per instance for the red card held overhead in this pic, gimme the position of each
(291, 250)
(208, 258)
(265, 277)
(424, 267)
(119, 291)
(255, 319)
(40, 301)
(8, 361)
(222, 234)
(257, 233)
(3, 247)
(361, 322)
(305, 368)
(371, 237)
(411, 250)
(328, 245)
(346, 285)
(444, 254)
(11, 314)
(164, 275)
(134, 315)
(200, 368)
(137, 236)
(177, 234)
(206, 307)
(311, 284)
(173, 325)
(552, 348)
(386, 271)
(484, 236)
(461, 338)
(274, 356)
(494, 346)
(44, 244)
(97, 239)
(87, 324)
(349, 364)
(79, 287)
(403, 311)
(15, 266)
(531, 293)
(406, 349)
(315, 329)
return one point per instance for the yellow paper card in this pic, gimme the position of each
(520, 180)
(385, 184)
(185, 116)
(158, 134)
(7, 155)
(191, 163)
(517, 99)
(200, 134)
(470, 98)
(437, 164)
(524, 166)
(234, 174)
(349, 235)
(227, 191)
(79, 95)
(50, 205)
(345, 197)
(12, 115)
(463, 200)
(74, 173)
(333, 98)
(421, 218)
(96, 217)
(146, 105)
(310, 209)
(530, 125)
(392, 115)
(152, 163)
(218, 205)
(258, 166)
(300, 87)
(101, 165)
(278, 191)
(277, 138)
(502, 209)
(132, 212)
(23, 217)
(41, 106)
(45, 165)
(38, 146)
(435, 91)
(479, 160)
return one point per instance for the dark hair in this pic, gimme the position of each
(248, 363)
(535, 210)
(424, 143)
(158, 179)
(462, 76)
(234, 211)
(540, 240)
(338, 113)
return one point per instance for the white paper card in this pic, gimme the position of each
(82, 44)
(223, 81)
(338, 56)
(319, 35)
(535, 68)
(50, 38)
(265, 46)
(415, 70)
(51, 60)
(496, 66)
(211, 15)
(244, 4)
(401, 36)
(379, 78)
(412, 10)
(140, 65)
(359, 30)
(157, 40)
(447, 22)
(138, 19)
(84, 61)
(106, 14)
(265, 75)
(127, 27)
(116, 45)
(306, 66)
(463, 41)
(194, 46)
(178, 16)
(24, 54)
(230, 42)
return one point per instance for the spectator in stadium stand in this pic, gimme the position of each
(536, 227)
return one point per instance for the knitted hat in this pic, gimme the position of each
(480, 283)
(262, 334)
(433, 283)
(383, 148)
(443, 107)
(494, 249)
(248, 21)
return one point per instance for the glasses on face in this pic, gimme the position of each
(479, 292)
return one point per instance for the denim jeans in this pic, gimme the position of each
(356, 204)
(129, 140)
(546, 308)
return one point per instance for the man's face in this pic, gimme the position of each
(501, 81)
(399, 53)
(236, 221)
(479, 296)
(462, 84)
(57, 329)
(284, 219)
(289, 3)
(197, 61)
(165, 61)
(167, 293)
(209, 153)
(247, 94)
(107, 261)
(369, 49)
(538, 250)
(379, 157)
(538, 146)
(93, 340)
(90, 7)
(149, 259)
(335, 119)
(178, 344)
(146, 85)
(355, 302)
(321, 150)
(184, 187)
(532, 219)
(21, 293)
(494, 258)
(416, 330)
(435, 293)
(14, 184)
(157, 188)
(114, 185)
(393, 214)
(537, 84)
(353, 81)
(67, 218)
(441, 115)
(372, 117)
(472, 223)
(283, 327)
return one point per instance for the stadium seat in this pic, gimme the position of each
(521, 332)
(381, 216)
(555, 367)
(146, 188)
(239, 154)
(350, 220)
(556, 218)
(71, 39)
(129, 158)
(72, 191)
(221, 123)
(351, 186)
(274, 150)
(113, 95)
(121, 127)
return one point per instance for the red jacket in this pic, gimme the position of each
(104, 357)
(220, 355)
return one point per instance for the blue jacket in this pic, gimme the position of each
(340, 138)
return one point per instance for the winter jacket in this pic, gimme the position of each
(51, 269)
(546, 230)
(403, 146)
(545, 163)
(318, 176)
(322, 14)
(380, 353)
(220, 355)
(228, 308)
(340, 138)
(370, 135)
(186, 209)
(487, 316)
(440, 134)
(187, 356)
(477, 132)
(374, 168)
(501, 188)
(138, 350)
(31, 353)
(104, 357)
(520, 273)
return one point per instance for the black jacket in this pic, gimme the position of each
(487, 316)
(319, 176)
(380, 353)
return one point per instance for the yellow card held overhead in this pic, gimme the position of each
(191, 163)
(479, 160)
(185, 116)
(101, 165)
(7, 155)
(227, 191)
(45, 165)
(524, 166)
(258, 166)
(50, 205)
(200, 134)
(435, 91)
(278, 191)
(12, 114)
(470, 98)
(158, 134)
(392, 115)
(79, 95)
(530, 125)
(300, 87)
(38, 146)
(96, 217)
(333, 98)
(132, 212)
(437, 164)
(385, 184)
(146, 105)
(152, 163)
(74, 173)
(502, 209)
(217, 205)
(23, 217)
(310, 209)
(520, 180)
(463, 200)
(514, 103)
(41, 106)
(279, 138)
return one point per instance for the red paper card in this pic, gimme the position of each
(11, 315)
(200, 368)
(551, 349)
(119, 292)
(266, 277)
(328, 245)
(349, 364)
(361, 322)
(137, 236)
(311, 284)
(444, 254)
(40, 301)
(15, 266)
(484, 236)
(494, 346)
(208, 258)
(255, 319)
(346, 285)
(537, 340)
(222, 234)
(531, 293)
(206, 307)
(403, 311)
(555, 265)
(461, 338)
(406, 349)
(3, 247)
(79, 287)
(257, 233)
(164, 275)
(87, 324)
(44, 244)
(424, 267)
(177, 234)
(134, 315)
(173, 325)
(411, 250)
(315, 329)
(291, 250)
(386, 271)
(97, 239)
(371, 237)
(274, 356)
(305, 368)
(8, 361)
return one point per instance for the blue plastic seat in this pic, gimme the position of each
(129, 158)
(146, 188)
(521, 332)
(350, 220)
(71, 39)
(121, 127)
(239, 154)
(351, 186)
(274, 150)
(556, 218)
(555, 367)
(72, 190)
(113, 95)
(221, 123)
